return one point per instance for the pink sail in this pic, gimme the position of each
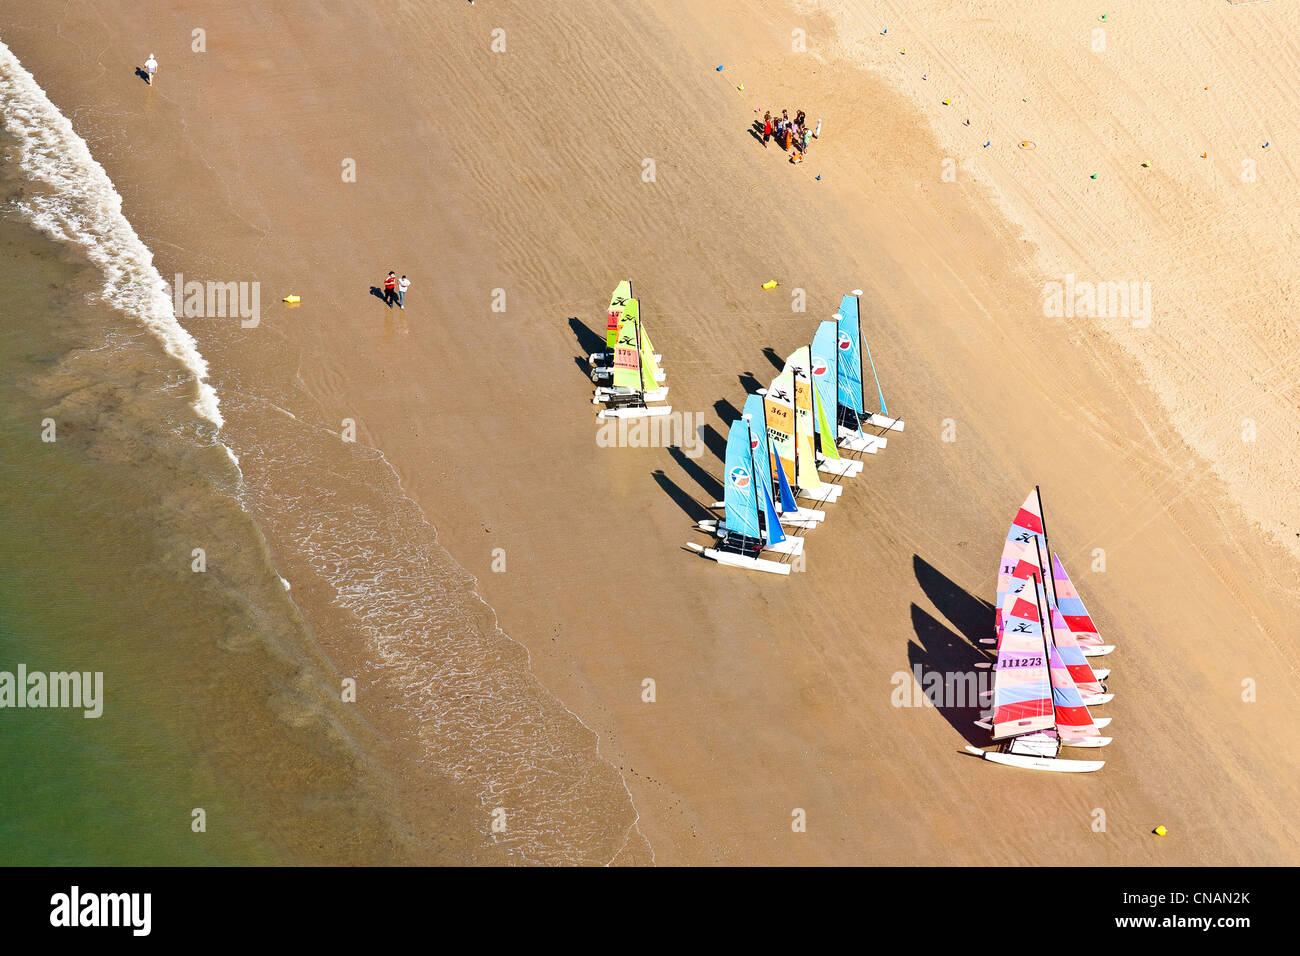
(1076, 616)
(1019, 553)
(1072, 655)
(1072, 718)
(1022, 691)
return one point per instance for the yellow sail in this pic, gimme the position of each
(805, 465)
(827, 435)
(615, 314)
(649, 367)
(627, 347)
(778, 406)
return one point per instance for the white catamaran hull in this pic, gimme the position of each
(1092, 700)
(603, 394)
(634, 412)
(844, 468)
(824, 493)
(884, 421)
(740, 560)
(1085, 741)
(791, 546)
(1096, 650)
(1028, 762)
(853, 441)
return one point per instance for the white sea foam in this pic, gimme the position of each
(78, 204)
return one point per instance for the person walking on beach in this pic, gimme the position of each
(767, 128)
(150, 68)
(402, 285)
(807, 139)
(390, 289)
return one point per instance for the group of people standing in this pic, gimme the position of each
(395, 290)
(790, 133)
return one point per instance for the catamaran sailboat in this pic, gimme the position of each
(1037, 709)
(602, 363)
(636, 374)
(752, 526)
(1024, 668)
(811, 419)
(790, 441)
(851, 345)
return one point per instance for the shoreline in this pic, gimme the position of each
(768, 708)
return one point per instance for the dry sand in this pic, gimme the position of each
(522, 171)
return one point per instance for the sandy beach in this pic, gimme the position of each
(517, 176)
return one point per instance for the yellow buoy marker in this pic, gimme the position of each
(769, 284)
(292, 298)
(1160, 831)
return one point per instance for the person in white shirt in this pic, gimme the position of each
(150, 68)
(402, 285)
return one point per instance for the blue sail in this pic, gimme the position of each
(753, 415)
(754, 408)
(879, 391)
(824, 375)
(787, 496)
(849, 375)
(773, 533)
(738, 483)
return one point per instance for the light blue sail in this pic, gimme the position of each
(753, 411)
(772, 531)
(738, 483)
(879, 391)
(824, 375)
(849, 366)
(753, 414)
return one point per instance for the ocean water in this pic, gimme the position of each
(221, 687)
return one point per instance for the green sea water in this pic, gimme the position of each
(213, 701)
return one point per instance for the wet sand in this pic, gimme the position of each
(522, 171)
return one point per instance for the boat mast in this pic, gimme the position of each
(794, 430)
(640, 365)
(761, 512)
(1049, 579)
(1047, 654)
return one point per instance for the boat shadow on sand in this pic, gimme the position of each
(952, 654)
(589, 342)
(707, 482)
(694, 510)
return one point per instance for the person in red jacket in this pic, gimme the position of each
(767, 128)
(390, 289)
